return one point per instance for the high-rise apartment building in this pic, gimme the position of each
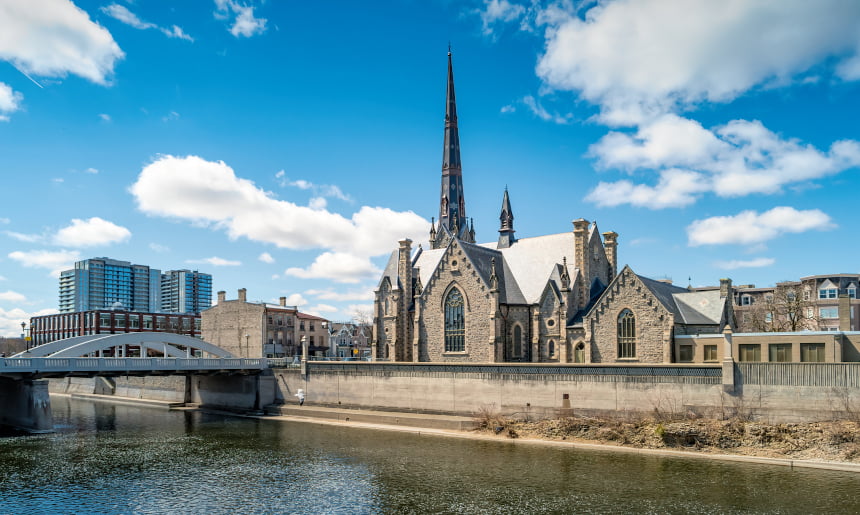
(104, 283)
(184, 291)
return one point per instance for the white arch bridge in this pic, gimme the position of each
(213, 377)
(111, 355)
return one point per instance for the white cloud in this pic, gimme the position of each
(89, 233)
(209, 193)
(636, 58)
(736, 159)
(495, 11)
(12, 296)
(55, 261)
(10, 320)
(10, 101)
(320, 308)
(508, 109)
(156, 247)
(317, 203)
(26, 238)
(296, 299)
(366, 295)
(340, 267)
(105, 117)
(750, 227)
(121, 13)
(265, 257)
(214, 261)
(320, 190)
(91, 170)
(244, 21)
(538, 110)
(750, 263)
(53, 38)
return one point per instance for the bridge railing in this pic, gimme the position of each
(34, 365)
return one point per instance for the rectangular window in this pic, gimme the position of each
(812, 352)
(829, 312)
(749, 352)
(685, 353)
(134, 321)
(104, 319)
(779, 353)
(710, 352)
(746, 300)
(120, 321)
(852, 293)
(302, 325)
(311, 328)
(827, 293)
(810, 313)
(768, 318)
(147, 321)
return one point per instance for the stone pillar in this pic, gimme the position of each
(844, 312)
(403, 342)
(416, 332)
(610, 245)
(728, 361)
(535, 334)
(304, 355)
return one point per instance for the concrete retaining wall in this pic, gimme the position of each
(549, 391)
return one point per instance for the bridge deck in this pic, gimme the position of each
(61, 367)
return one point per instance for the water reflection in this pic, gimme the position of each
(122, 459)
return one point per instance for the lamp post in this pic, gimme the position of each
(24, 335)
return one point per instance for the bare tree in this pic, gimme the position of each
(783, 310)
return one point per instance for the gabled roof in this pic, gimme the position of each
(390, 272)
(701, 307)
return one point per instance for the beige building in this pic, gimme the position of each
(257, 329)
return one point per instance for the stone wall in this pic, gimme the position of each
(653, 323)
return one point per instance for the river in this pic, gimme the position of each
(107, 458)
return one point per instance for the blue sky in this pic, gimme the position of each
(285, 147)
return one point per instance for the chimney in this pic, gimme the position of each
(610, 245)
(283, 301)
(725, 288)
(222, 296)
(243, 295)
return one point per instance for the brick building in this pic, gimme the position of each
(258, 329)
(48, 328)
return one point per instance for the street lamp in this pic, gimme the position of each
(24, 335)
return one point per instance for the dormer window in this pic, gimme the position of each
(746, 300)
(827, 293)
(851, 291)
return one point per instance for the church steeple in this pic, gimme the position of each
(506, 228)
(453, 222)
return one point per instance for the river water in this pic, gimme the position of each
(107, 458)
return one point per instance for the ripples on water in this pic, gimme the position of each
(108, 458)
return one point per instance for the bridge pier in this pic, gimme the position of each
(233, 392)
(26, 405)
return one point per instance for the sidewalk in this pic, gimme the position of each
(388, 418)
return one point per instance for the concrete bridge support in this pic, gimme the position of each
(26, 405)
(237, 392)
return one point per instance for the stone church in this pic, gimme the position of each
(553, 298)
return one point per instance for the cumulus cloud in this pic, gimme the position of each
(736, 159)
(750, 263)
(157, 247)
(92, 232)
(209, 193)
(214, 261)
(337, 266)
(26, 238)
(121, 13)
(296, 299)
(10, 320)
(10, 101)
(265, 257)
(320, 190)
(53, 38)
(751, 227)
(244, 22)
(636, 58)
(12, 296)
(55, 261)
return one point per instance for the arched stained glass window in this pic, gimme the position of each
(455, 323)
(626, 334)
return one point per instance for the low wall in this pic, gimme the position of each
(775, 392)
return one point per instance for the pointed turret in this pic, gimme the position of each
(506, 228)
(453, 222)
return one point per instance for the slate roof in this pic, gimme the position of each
(689, 307)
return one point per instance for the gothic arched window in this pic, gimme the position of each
(518, 341)
(626, 334)
(455, 322)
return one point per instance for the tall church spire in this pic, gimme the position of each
(453, 222)
(506, 227)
